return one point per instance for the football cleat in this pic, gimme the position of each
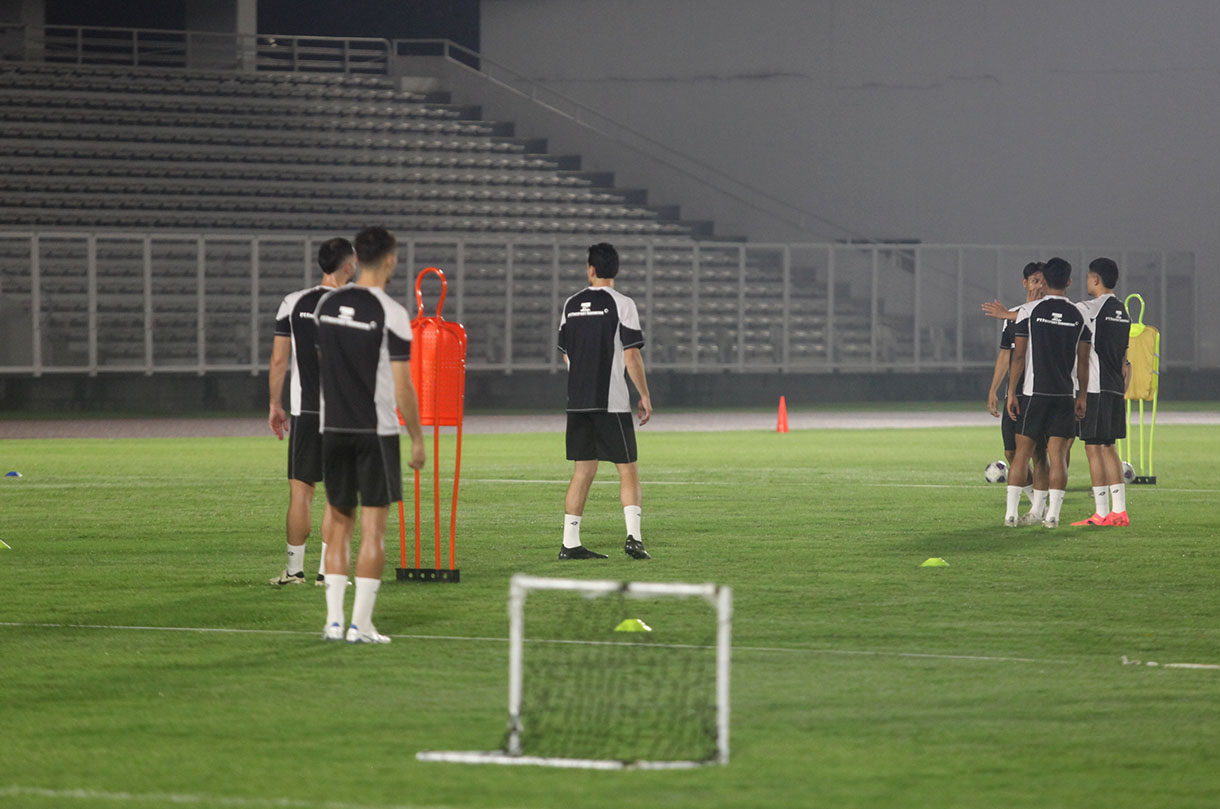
(320, 581)
(1050, 522)
(333, 632)
(1011, 521)
(580, 552)
(288, 578)
(1096, 519)
(354, 635)
(1117, 518)
(1030, 518)
(635, 549)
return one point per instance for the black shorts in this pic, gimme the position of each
(363, 464)
(305, 449)
(1008, 426)
(1044, 417)
(1105, 420)
(601, 436)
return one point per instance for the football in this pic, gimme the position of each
(996, 472)
(1128, 472)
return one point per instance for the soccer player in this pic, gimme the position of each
(600, 337)
(1105, 418)
(1051, 347)
(364, 352)
(294, 346)
(1032, 281)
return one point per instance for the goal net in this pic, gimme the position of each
(614, 675)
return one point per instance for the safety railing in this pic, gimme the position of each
(198, 50)
(106, 301)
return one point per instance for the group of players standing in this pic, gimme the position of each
(1067, 373)
(348, 346)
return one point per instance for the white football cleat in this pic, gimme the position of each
(354, 635)
(1050, 522)
(1030, 518)
(1010, 522)
(333, 632)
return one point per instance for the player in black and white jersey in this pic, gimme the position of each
(1105, 420)
(600, 337)
(1051, 348)
(293, 347)
(1033, 283)
(364, 352)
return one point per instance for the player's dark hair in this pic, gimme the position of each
(1057, 273)
(1031, 268)
(603, 258)
(333, 253)
(374, 244)
(1106, 270)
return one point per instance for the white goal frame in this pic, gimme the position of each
(720, 597)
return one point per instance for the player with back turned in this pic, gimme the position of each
(364, 352)
(1051, 348)
(294, 347)
(600, 337)
(1105, 420)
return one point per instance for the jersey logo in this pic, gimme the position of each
(1056, 319)
(306, 315)
(587, 310)
(347, 319)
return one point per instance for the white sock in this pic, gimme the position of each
(631, 514)
(1037, 503)
(362, 606)
(1118, 493)
(571, 531)
(1101, 499)
(1014, 502)
(322, 561)
(336, 589)
(1029, 492)
(1055, 504)
(296, 560)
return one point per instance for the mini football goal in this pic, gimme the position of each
(614, 675)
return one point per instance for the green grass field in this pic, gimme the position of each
(860, 679)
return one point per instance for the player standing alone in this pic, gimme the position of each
(600, 337)
(364, 352)
(295, 345)
(1051, 348)
(1105, 420)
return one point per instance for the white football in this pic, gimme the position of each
(1128, 472)
(996, 472)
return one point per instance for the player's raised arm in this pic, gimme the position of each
(635, 370)
(999, 311)
(281, 353)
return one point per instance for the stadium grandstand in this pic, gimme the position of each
(160, 191)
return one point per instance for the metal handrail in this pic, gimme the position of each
(582, 114)
(167, 48)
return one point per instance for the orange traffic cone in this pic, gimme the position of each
(781, 425)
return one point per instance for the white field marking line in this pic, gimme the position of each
(16, 791)
(483, 639)
(480, 639)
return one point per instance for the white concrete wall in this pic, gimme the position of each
(1094, 122)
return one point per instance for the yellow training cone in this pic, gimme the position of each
(632, 625)
(935, 561)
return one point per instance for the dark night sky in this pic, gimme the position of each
(391, 19)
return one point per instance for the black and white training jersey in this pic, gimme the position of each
(1008, 340)
(361, 330)
(1054, 328)
(596, 325)
(295, 321)
(1107, 319)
